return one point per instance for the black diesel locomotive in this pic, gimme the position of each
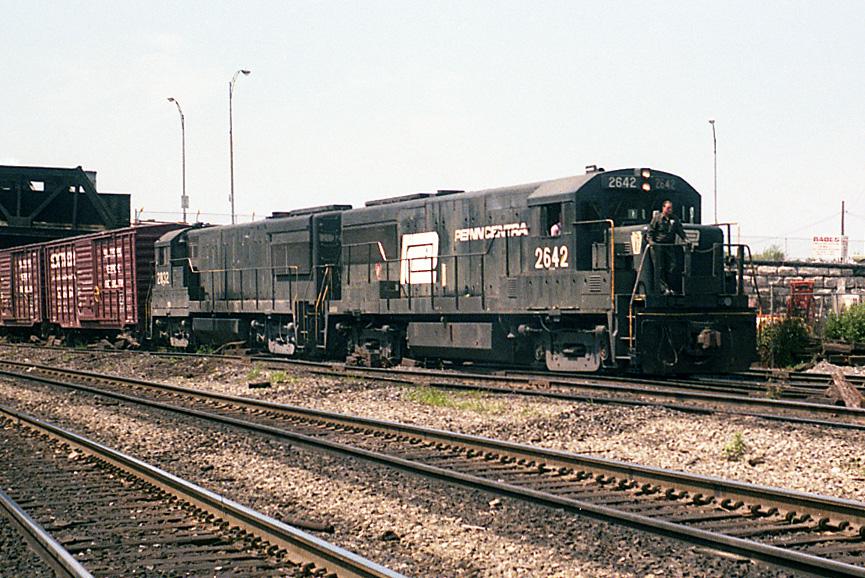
(556, 273)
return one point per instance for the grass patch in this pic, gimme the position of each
(531, 412)
(280, 376)
(254, 373)
(463, 400)
(734, 450)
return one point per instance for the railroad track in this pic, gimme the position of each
(699, 396)
(92, 511)
(48, 555)
(786, 384)
(749, 381)
(800, 531)
(795, 376)
(652, 393)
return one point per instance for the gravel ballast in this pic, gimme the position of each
(807, 458)
(416, 526)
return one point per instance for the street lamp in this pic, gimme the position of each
(231, 137)
(715, 155)
(184, 200)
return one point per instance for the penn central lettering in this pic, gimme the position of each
(492, 232)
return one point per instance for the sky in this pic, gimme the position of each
(353, 101)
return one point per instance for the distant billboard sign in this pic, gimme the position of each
(829, 248)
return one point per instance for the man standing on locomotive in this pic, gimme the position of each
(663, 230)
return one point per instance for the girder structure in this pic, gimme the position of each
(42, 203)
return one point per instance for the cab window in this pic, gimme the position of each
(551, 219)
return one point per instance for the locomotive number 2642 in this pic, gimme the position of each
(551, 257)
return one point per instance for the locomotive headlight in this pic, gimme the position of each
(647, 187)
(727, 301)
(645, 173)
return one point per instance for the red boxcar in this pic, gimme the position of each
(21, 295)
(101, 281)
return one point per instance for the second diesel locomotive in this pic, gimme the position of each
(555, 273)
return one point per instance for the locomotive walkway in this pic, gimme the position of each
(113, 515)
(796, 530)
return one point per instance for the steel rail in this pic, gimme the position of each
(486, 444)
(305, 547)
(782, 410)
(830, 514)
(710, 384)
(800, 382)
(566, 391)
(43, 544)
(795, 375)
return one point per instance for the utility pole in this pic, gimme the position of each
(842, 218)
(715, 157)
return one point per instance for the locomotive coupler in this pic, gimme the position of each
(709, 338)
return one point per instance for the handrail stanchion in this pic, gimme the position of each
(634, 295)
(740, 270)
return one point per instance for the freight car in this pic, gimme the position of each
(91, 283)
(554, 273)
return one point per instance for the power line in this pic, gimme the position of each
(830, 217)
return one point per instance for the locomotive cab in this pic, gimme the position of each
(175, 284)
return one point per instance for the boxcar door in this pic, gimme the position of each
(26, 286)
(113, 262)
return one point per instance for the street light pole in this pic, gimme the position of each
(715, 156)
(231, 137)
(184, 200)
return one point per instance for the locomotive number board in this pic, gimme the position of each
(634, 182)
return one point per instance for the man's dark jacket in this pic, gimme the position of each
(664, 229)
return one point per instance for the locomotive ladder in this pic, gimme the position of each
(311, 318)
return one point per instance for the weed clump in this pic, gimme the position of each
(848, 325)
(783, 343)
(734, 450)
(254, 373)
(280, 376)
